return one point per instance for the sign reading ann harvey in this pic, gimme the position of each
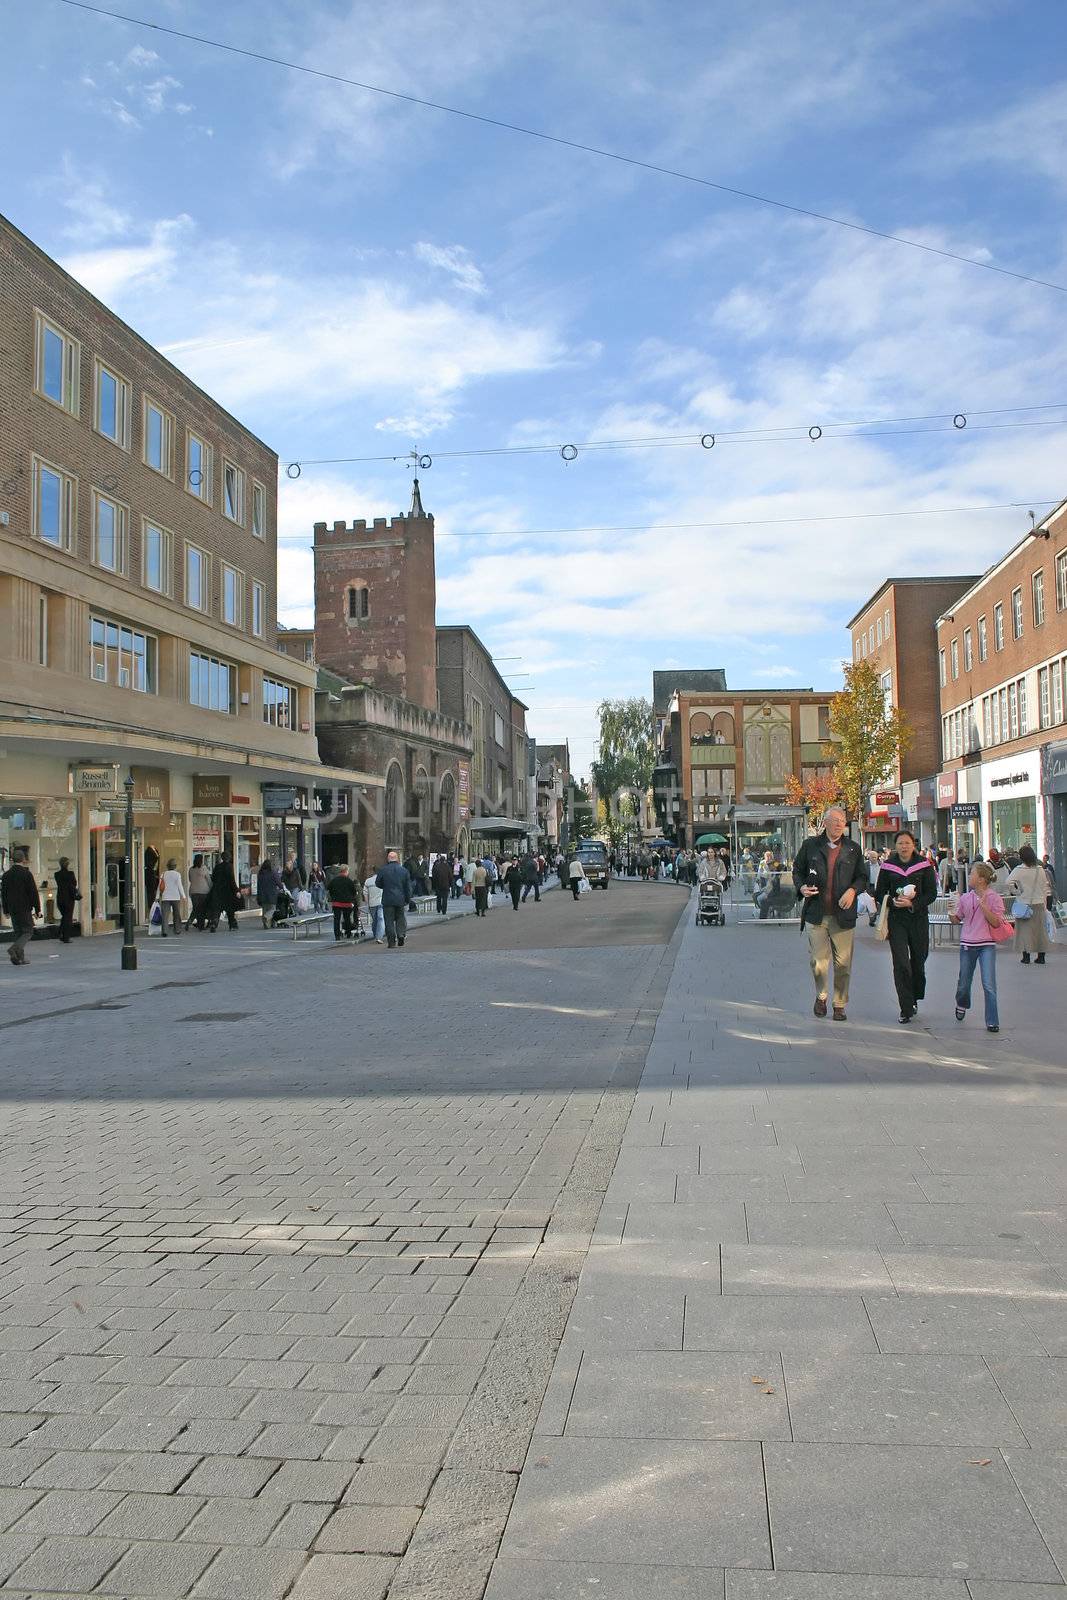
(946, 790)
(211, 794)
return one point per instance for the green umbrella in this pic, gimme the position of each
(710, 838)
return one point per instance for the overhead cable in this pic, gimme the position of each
(569, 144)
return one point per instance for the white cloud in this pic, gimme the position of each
(140, 57)
(110, 272)
(456, 261)
(778, 672)
(1031, 134)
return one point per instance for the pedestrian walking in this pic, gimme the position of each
(394, 880)
(199, 890)
(1028, 888)
(344, 899)
(268, 886)
(513, 882)
(575, 874)
(441, 883)
(458, 869)
(21, 901)
(67, 896)
(908, 881)
(829, 873)
(318, 886)
(225, 897)
(480, 880)
(171, 895)
(375, 914)
(531, 878)
(983, 924)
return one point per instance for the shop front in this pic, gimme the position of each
(959, 804)
(1011, 795)
(1054, 784)
(227, 820)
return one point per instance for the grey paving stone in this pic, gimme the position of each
(1042, 1479)
(65, 1512)
(957, 1324)
(513, 1579)
(683, 1395)
(250, 1575)
(310, 1481)
(946, 1269)
(152, 1474)
(150, 1516)
(140, 1433)
(421, 1445)
(897, 1399)
(1036, 1389)
(299, 1525)
(73, 1566)
(655, 1502)
(280, 1405)
(328, 1577)
(1016, 1591)
(369, 1530)
(293, 1441)
(781, 1269)
(776, 1322)
(899, 1511)
(163, 1570)
(69, 1469)
(227, 1522)
(832, 1225)
(13, 1504)
(211, 1437)
(230, 1478)
(831, 1586)
(630, 1314)
(384, 1483)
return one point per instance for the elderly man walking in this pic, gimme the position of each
(829, 873)
(21, 901)
(395, 883)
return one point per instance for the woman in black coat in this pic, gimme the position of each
(225, 897)
(67, 897)
(910, 883)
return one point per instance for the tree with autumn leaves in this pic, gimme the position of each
(869, 738)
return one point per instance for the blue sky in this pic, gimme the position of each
(353, 276)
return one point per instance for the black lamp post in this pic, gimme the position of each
(129, 949)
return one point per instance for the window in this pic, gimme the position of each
(156, 548)
(1044, 696)
(53, 505)
(855, 650)
(233, 492)
(122, 656)
(1013, 711)
(158, 436)
(955, 659)
(42, 630)
(58, 365)
(197, 573)
(259, 609)
(233, 596)
(211, 683)
(358, 602)
(968, 653)
(112, 406)
(259, 510)
(941, 667)
(198, 467)
(279, 703)
(983, 639)
(887, 690)
(109, 533)
(864, 647)
(1024, 707)
(878, 630)
(1059, 674)
(309, 649)
(1037, 593)
(870, 636)
(887, 625)
(1016, 613)
(998, 626)
(1061, 581)
(987, 720)
(498, 729)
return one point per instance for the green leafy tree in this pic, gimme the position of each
(627, 748)
(869, 736)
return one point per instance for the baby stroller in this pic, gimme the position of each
(283, 910)
(710, 910)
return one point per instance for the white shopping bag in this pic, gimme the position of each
(155, 919)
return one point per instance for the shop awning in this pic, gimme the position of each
(501, 825)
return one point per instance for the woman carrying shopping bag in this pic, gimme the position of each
(908, 882)
(1027, 889)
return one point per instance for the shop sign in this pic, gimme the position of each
(94, 780)
(240, 799)
(1057, 769)
(201, 839)
(886, 797)
(1004, 783)
(946, 790)
(324, 803)
(1027, 827)
(278, 800)
(927, 800)
(141, 805)
(464, 789)
(966, 811)
(212, 794)
(151, 783)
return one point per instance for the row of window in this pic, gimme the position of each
(1017, 609)
(1006, 713)
(869, 640)
(127, 658)
(58, 378)
(55, 514)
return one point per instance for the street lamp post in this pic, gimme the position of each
(129, 949)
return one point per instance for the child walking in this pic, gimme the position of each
(980, 914)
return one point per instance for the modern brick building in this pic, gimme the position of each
(138, 598)
(895, 631)
(1002, 664)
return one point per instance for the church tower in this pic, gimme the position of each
(376, 603)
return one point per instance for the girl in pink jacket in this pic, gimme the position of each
(979, 911)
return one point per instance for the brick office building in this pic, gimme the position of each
(138, 594)
(1002, 662)
(895, 631)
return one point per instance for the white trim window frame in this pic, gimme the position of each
(259, 509)
(1059, 674)
(955, 647)
(1037, 596)
(158, 425)
(157, 548)
(197, 577)
(1061, 580)
(57, 365)
(1044, 696)
(887, 626)
(55, 505)
(259, 608)
(112, 395)
(111, 526)
(998, 626)
(941, 671)
(1017, 613)
(968, 650)
(233, 492)
(983, 638)
(233, 596)
(42, 629)
(198, 458)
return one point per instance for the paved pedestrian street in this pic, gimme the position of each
(560, 1253)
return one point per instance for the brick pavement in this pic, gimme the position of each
(288, 1237)
(818, 1347)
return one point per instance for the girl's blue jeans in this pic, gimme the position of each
(984, 957)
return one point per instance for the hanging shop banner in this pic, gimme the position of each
(464, 789)
(278, 800)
